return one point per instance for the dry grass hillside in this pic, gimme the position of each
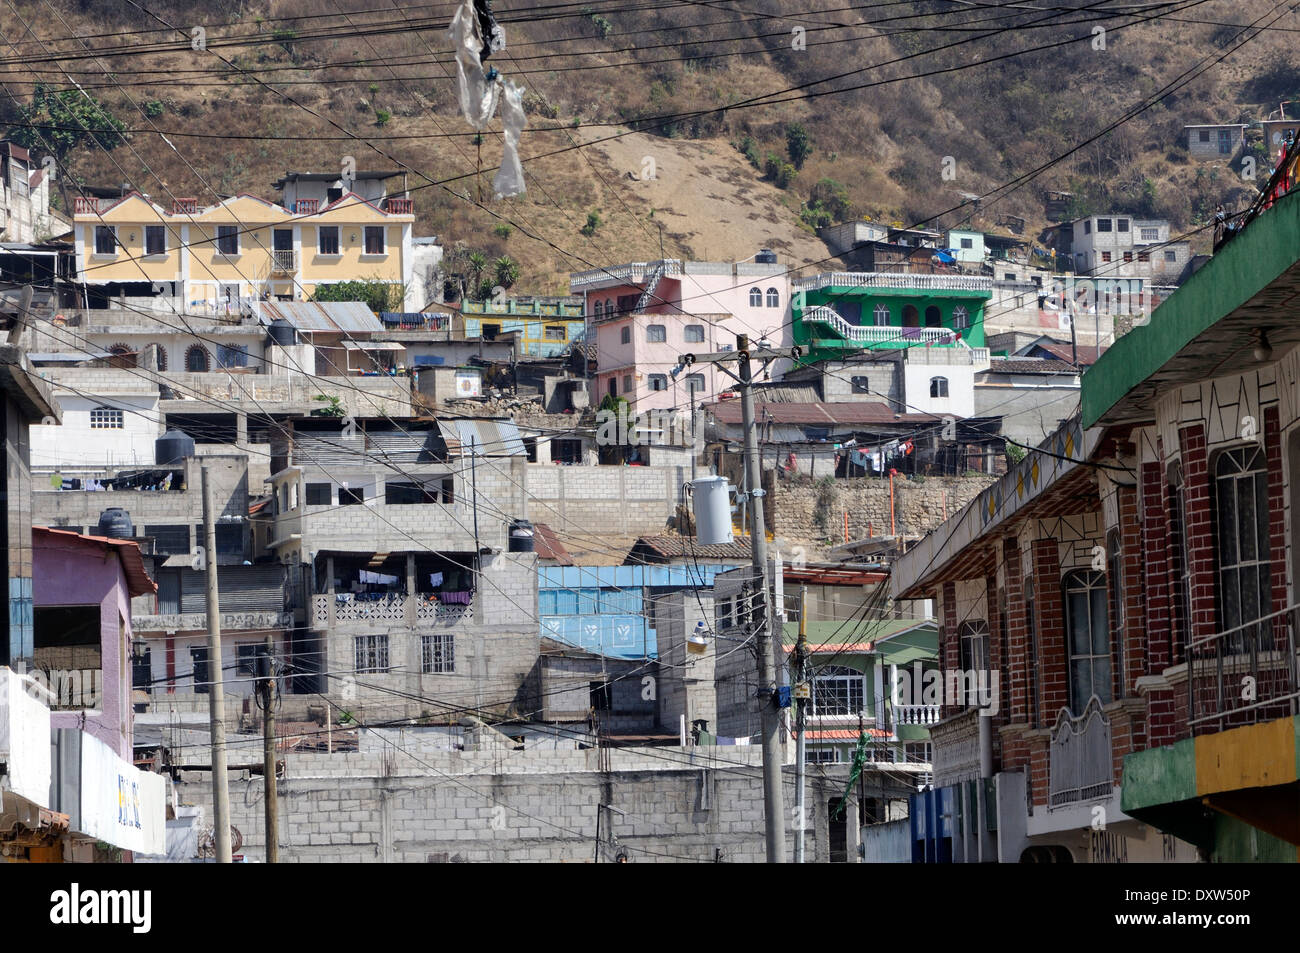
(299, 84)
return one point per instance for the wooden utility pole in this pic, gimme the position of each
(802, 700)
(270, 797)
(216, 689)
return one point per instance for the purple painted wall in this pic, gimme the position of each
(68, 571)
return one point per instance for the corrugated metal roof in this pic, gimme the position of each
(345, 316)
(488, 438)
(817, 413)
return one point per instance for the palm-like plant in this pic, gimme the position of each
(507, 271)
(478, 263)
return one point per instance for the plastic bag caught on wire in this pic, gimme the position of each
(478, 93)
(509, 180)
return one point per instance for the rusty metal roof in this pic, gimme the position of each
(348, 317)
(817, 413)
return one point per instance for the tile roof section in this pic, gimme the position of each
(1030, 365)
(548, 546)
(818, 413)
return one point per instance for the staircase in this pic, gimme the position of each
(651, 284)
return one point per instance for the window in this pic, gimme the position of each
(625, 335)
(318, 494)
(723, 612)
(860, 385)
(67, 646)
(973, 643)
(1171, 255)
(627, 383)
(656, 333)
(155, 240)
(823, 755)
(932, 317)
(1115, 577)
(600, 309)
(105, 240)
(1105, 256)
(1087, 227)
(968, 243)
(232, 355)
(352, 496)
(553, 332)
(881, 315)
(327, 239)
(438, 654)
(142, 669)
(694, 383)
(693, 334)
(613, 386)
(1241, 516)
(106, 418)
(196, 358)
(960, 317)
(773, 298)
(1087, 637)
(490, 331)
(1128, 256)
(1121, 224)
(1203, 135)
(911, 317)
(228, 239)
(199, 669)
(658, 381)
(755, 297)
(938, 387)
(837, 690)
(374, 240)
(1144, 256)
(602, 696)
(1103, 225)
(246, 659)
(371, 653)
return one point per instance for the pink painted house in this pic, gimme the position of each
(82, 591)
(642, 316)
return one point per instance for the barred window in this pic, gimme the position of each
(106, 418)
(371, 653)
(837, 690)
(1089, 637)
(973, 642)
(438, 654)
(1241, 509)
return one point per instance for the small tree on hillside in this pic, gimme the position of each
(797, 144)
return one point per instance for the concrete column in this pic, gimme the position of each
(329, 587)
(241, 430)
(852, 829)
(409, 607)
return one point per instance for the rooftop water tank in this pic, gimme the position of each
(115, 523)
(521, 537)
(172, 448)
(765, 256)
(282, 333)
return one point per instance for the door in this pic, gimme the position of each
(199, 669)
(1225, 142)
(282, 250)
(169, 592)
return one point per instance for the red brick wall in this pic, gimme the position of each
(997, 652)
(1200, 535)
(1053, 688)
(1135, 623)
(1017, 649)
(949, 650)
(1276, 513)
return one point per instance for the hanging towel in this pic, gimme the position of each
(435, 579)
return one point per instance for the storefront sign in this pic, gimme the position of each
(121, 804)
(24, 738)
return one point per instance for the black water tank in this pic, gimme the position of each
(115, 523)
(172, 447)
(765, 257)
(282, 333)
(521, 536)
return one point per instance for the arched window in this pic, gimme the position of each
(123, 356)
(773, 298)
(197, 358)
(755, 297)
(932, 317)
(882, 315)
(960, 317)
(911, 317)
(938, 387)
(160, 355)
(1087, 637)
(973, 642)
(600, 308)
(837, 690)
(1242, 514)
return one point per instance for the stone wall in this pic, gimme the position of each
(419, 804)
(803, 511)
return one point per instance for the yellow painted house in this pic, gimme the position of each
(241, 249)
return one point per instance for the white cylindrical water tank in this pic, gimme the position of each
(711, 498)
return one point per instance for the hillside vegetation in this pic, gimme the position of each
(300, 84)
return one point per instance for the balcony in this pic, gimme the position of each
(916, 714)
(876, 333)
(880, 279)
(284, 261)
(1080, 760)
(306, 206)
(396, 206)
(89, 205)
(637, 272)
(956, 746)
(185, 207)
(394, 608)
(1259, 654)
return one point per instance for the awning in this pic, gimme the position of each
(373, 346)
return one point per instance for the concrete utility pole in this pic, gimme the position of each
(270, 797)
(216, 689)
(762, 623)
(801, 748)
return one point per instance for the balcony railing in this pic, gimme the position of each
(395, 608)
(881, 279)
(89, 205)
(955, 742)
(634, 273)
(284, 261)
(1246, 674)
(306, 206)
(1080, 758)
(399, 206)
(916, 714)
(185, 206)
(877, 333)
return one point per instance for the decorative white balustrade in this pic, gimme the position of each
(877, 333)
(396, 609)
(916, 714)
(629, 274)
(884, 279)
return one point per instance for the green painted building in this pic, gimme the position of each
(841, 312)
